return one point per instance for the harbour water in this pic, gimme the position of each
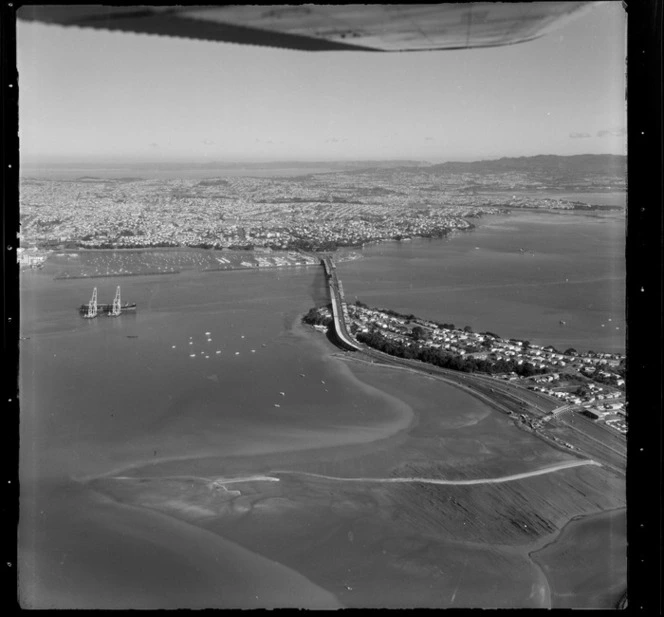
(571, 270)
(105, 397)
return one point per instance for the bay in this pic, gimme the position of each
(110, 396)
(571, 270)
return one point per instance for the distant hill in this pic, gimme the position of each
(341, 165)
(543, 164)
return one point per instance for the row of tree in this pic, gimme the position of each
(444, 359)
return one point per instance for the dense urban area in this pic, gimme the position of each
(280, 221)
(313, 212)
(574, 402)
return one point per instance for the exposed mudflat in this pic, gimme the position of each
(586, 565)
(354, 519)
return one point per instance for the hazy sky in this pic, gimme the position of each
(91, 94)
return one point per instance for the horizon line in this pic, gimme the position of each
(38, 161)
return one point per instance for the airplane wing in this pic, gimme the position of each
(311, 27)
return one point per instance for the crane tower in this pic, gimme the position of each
(92, 305)
(117, 306)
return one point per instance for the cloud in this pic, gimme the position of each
(208, 142)
(612, 133)
(580, 135)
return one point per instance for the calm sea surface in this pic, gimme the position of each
(102, 396)
(571, 270)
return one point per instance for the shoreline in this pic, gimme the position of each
(58, 277)
(343, 437)
(255, 474)
(267, 577)
(546, 542)
(388, 442)
(550, 541)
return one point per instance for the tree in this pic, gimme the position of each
(418, 333)
(526, 369)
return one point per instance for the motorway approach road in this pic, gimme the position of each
(526, 407)
(521, 404)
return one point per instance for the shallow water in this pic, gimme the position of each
(95, 402)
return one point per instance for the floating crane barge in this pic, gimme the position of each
(92, 309)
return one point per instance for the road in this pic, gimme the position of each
(337, 309)
(568, 432)
(587, 438)
(509, 397)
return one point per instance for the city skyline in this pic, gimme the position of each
(100, 96)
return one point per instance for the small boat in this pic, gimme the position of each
(277, 405)
(562, 323)
(282, 393)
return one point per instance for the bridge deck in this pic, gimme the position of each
(337, 306)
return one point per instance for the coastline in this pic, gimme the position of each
(379, 443)
(400, 419)
(535, 552)
(228, 575)
(229, 514)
